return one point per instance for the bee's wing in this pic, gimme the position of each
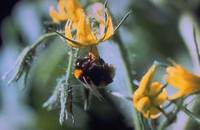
(93, 89)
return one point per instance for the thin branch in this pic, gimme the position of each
(196, 44)
(69, 39)
(188, 112)
(169, 120)
(161, 110)
(106, 3)
(41, 39)
(122, 20)
(125, 59)
(161, 90)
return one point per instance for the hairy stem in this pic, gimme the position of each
(66, 96)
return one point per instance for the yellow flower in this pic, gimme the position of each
(102, 16)
(149, 96)
(183, 80)
(84, 34)
(67, 9)
(79, 28)
(61, 14)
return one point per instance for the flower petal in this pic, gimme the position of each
(143, 104)
(54, 15)
(146, 80)
(183, 80)
(109, 28)
(84, 32)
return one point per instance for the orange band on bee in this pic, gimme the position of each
(77, 73)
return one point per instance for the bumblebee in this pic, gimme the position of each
(93, 72)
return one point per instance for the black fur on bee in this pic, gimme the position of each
(94, 71)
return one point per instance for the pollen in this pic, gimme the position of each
(92, 55)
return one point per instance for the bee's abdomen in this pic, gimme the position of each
(101, 75)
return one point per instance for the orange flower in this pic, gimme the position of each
(149, 96)
(183, 80)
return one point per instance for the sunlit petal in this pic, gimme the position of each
(149, 95)
(184, 81)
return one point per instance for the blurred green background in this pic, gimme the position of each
(156, 30)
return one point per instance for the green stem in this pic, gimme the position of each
(163, 124)
(190, 114)
(171, 117)
(162, 111)
(187, 112)
(69, 66)
(130, 84)
(161, 90)
(40, 40)
(65, 95)
(72, 55)
(196, 44)
(124, 54)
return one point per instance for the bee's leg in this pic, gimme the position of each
(93, 89)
